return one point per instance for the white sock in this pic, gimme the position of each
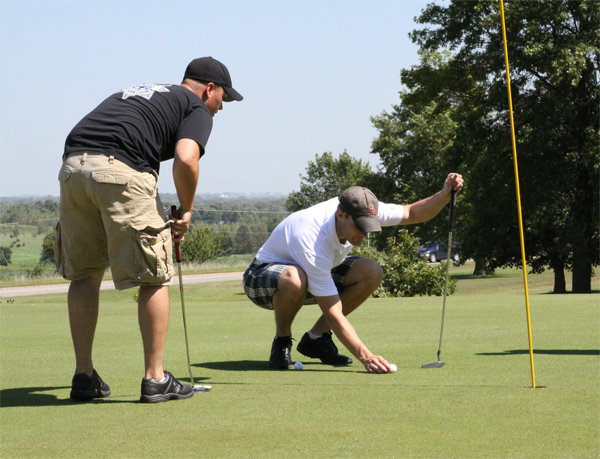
(164, 378)
(311, 335)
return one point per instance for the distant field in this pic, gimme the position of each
(25, 242)
(26, 245)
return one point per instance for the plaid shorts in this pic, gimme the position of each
(260, 281)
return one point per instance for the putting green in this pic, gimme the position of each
(478, 405)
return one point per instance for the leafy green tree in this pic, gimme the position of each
(201, 244)
(405, 275)
(326, 177)
(460, 83)
(249, 237)
(5, 256)
(30, 213)
(48, 248)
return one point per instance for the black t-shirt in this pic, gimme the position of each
(141, 125)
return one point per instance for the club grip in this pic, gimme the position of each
(177, 248)
(452, 207)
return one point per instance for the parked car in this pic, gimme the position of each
(435, 251)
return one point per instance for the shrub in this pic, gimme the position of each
(5, 256)
(47, 255)
(404, 273)
(201, 244)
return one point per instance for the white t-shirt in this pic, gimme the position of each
(308, 239)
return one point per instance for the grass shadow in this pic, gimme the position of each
(236, 365)
(544, 351)
(260, 365)
(34, 396)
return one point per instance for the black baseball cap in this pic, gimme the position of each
(210, 70)
(362, 205)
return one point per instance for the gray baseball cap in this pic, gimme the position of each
(362, 205)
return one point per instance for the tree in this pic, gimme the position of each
(48, 248)
(5, 255)
(201, 244)
(554, 56)
(403, 274)
(326, 177)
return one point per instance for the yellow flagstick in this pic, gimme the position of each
(514, 146)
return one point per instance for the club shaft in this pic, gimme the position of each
(445, 292)
(448, 258)
(187, 345)
(185, 333)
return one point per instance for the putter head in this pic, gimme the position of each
(202, 388)
(437, 364)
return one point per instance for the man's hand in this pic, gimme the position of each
(181, 224)
(453, 181)
(377, 364)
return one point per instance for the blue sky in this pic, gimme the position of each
(312, 74)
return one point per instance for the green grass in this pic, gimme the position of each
(479, 405)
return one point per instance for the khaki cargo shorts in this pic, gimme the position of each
(111, 215)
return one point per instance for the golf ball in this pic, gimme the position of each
(393, 367)
(298, 366)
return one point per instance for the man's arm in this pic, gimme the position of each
(185, 176)
(343, 329)
(425, 209)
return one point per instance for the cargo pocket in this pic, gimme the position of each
(65, 173)
(153, 255)
(58, 256)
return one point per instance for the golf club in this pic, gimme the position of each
(439, 362)
(174, 214)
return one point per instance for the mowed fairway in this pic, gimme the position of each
(479, 405)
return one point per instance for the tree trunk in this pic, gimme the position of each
(582, 275)
(560, 285)
(482, 268)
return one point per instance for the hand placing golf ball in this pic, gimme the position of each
(393, 368)
(298, 366)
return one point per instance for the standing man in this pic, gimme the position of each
(306, 259)
(111, 214)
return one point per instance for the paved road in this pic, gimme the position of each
(9, 292)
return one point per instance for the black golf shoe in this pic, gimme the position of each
(281, 353)
(322, 348)
(171, 389)
(84, 387)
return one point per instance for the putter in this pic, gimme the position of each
(187, 346)
(439, 362)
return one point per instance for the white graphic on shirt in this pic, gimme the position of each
(145, 90)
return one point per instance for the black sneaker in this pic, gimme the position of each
(322, 348)
(281, 353)
(84, 387)
(155, 392)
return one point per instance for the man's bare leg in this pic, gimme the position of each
(82, 300)
(362, 280)
(289, 298)
(153, 317)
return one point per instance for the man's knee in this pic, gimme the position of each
(293, 280)
(292, 285)
(91, 278)
(368, 271)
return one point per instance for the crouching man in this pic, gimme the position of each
(305, 260)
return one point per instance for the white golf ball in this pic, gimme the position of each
(298, 366)
(393, 367)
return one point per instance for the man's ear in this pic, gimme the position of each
(208, 88)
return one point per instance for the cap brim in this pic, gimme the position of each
(367, 224)
(231, 95)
